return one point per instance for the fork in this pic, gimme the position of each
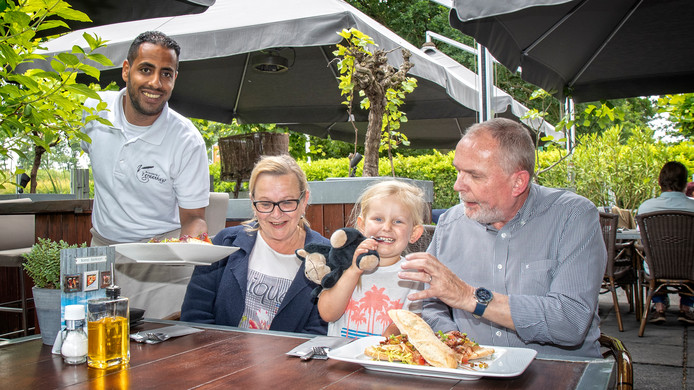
(322, 353)
(156, 337)
(315, 353)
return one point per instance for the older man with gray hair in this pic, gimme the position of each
(515, 264)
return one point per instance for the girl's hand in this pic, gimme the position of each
(365, 246)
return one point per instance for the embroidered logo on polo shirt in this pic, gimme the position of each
(145, 174)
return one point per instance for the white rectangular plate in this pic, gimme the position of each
(505, 362)
(174, 253)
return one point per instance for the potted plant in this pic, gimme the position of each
(42, 264)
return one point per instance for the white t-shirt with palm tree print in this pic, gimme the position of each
(367, 310)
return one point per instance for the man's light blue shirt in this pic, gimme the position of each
(668, 200)
(549, 260)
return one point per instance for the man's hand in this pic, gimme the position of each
(443, 284)
(192, 222)
(450, 289)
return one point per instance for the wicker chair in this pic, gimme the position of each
(625, 370)
(620, 271)
(668, 243)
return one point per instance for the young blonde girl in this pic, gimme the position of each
(390, 213)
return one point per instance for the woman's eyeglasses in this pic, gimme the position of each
(286, 206)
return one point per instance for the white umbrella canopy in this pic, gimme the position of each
(441, 133)
(588, 49)
(218, 79)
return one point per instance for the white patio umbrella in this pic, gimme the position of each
(442, 133)
(272, 62)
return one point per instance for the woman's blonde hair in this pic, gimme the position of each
(409, 195)
(277, 166)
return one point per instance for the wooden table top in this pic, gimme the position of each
(222, 357)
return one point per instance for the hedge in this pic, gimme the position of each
(605, 169)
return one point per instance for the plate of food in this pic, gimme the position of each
(174, 252)
(419, 351)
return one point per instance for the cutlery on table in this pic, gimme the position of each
(315, 353)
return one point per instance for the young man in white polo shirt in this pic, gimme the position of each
(151, 176)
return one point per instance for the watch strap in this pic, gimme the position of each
(479, 309)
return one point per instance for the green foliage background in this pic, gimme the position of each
(605, 169)
(609, 171)
(436, 167)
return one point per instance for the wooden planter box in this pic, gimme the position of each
(239, 153)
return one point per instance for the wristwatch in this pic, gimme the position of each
(483, 297)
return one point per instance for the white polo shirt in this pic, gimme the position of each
(140, 183)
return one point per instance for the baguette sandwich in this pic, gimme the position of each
(421, 344)
(418, 344)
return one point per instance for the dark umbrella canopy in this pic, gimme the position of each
(588, 49)
(116, 11)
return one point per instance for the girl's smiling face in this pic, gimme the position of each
(391, 224)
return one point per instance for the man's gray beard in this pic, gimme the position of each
(484, 215)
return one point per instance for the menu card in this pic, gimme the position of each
(84, 274)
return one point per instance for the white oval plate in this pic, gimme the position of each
(173, 253)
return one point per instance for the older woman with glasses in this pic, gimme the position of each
(262, 285)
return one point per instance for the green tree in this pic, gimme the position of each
(609, 170)
(681, 112)
(383, 89)
(42, 108)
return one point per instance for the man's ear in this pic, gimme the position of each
(521, 180)
(125, 70)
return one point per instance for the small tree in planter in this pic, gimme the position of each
(43, 267)
(383, 88)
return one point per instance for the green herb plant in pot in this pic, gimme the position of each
(42, 265)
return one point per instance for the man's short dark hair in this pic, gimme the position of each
(156, 38)
(673, 177)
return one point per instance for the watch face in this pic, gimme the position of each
(483, 295)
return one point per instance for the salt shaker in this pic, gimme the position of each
(74, 348)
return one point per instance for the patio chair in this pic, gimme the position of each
(625, 371)
(619, 271)
(216, 212)
(215, 217)
(668, 243)
(16, 238)
(626, 218)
